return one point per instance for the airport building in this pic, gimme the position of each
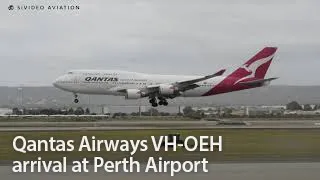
(5, 111)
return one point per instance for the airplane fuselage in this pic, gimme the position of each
(108, 82)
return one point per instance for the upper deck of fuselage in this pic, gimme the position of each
(121, 74)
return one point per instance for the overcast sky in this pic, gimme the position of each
(195, 37)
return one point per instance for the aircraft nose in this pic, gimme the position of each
(56, 83)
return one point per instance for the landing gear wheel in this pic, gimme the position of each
(152, 101)
(76, 100)
(163, 101)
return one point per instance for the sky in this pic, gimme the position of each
(187, 37)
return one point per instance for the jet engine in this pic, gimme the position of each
(167, 89)
(133, 94)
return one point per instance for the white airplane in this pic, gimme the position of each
(158, 88)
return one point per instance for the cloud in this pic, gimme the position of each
(160, 36)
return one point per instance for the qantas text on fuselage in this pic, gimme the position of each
(158, 88)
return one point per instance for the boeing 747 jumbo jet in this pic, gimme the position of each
(158, 88)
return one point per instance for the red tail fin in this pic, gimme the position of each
(256, 67)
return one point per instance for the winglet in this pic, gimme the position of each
(219, 73)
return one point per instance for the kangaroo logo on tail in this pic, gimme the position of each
(252, 68)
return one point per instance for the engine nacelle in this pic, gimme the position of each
(133, 94)
(166, 89)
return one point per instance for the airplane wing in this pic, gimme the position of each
(189, 82)
(184, 85)
(258, 82)
(180, 86)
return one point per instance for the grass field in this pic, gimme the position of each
(238, 145)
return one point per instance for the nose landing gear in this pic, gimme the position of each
(76, 100)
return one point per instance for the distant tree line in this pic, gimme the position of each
(150, 112)
(189, 112)
(51, 111)
(294, 105)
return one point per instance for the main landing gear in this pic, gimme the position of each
(76, 100)
(162, 101)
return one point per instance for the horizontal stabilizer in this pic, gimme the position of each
(258, 82)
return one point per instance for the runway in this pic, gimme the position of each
(239, 171)
(156, 123)
(139, 125)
